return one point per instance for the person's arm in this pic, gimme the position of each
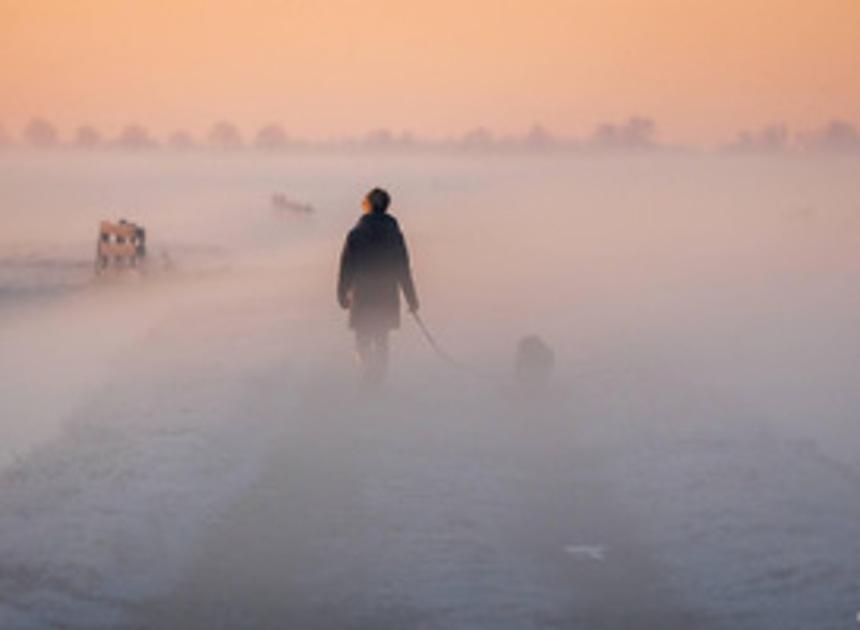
(347, 271)
(405, 274)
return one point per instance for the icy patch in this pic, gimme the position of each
(592, 552)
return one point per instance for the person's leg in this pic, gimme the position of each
(381, 355)
(364, 352)
(372, 350)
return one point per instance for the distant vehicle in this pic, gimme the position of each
(282, 202)
(120, 246)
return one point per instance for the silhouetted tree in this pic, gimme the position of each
(271, 138)
(40, 133)
(539, 138)
(224, 135)
(768, 139)
(181, 141)
(378, 139)
(479, 138)
(135, 138)
(636, 133)
(385, 140)
(838, 136)
(407, 139)
(87, 137)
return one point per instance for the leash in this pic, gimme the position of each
(445, 355)
(588, 373)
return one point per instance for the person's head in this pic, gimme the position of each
(377, 200)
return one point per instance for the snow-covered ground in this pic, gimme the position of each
(695, 465)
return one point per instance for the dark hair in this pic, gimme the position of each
(379, 200)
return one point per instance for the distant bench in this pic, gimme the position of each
(120, 245)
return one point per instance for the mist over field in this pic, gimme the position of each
(191, 447)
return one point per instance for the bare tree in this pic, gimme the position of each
(271, 138)
(181, 141)
(224, 135)
(769, 139)
(837, 136)
(134, 137)
(41, 133)
(87, 137)
(477, 139)
(386, 140)
(636, 133)
(378, 139)
(538, 138)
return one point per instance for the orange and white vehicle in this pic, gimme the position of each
(120, 246)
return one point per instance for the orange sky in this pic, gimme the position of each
(702, 68)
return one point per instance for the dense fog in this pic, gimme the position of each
(191, 445)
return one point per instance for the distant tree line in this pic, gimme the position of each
(636, 134)
(837, 136)
(40, 133)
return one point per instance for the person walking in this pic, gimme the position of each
(374, 268)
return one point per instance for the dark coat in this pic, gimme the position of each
(374, 264)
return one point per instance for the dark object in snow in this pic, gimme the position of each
(282, 202)
(534, 363)
(120, 246)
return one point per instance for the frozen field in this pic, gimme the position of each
(191, 449)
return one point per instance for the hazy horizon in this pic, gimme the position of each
(326, 70)
(636, 134)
